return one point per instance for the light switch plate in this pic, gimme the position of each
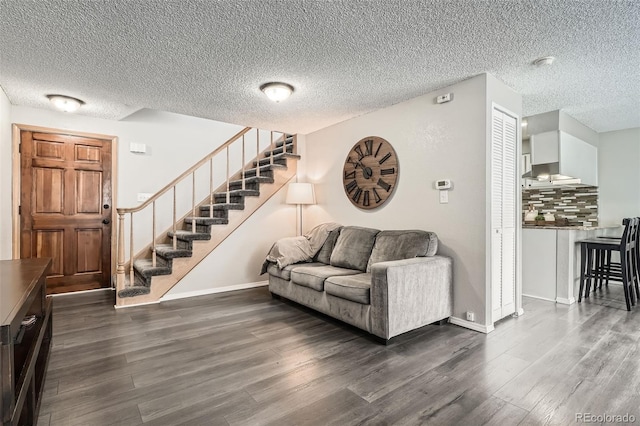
(444, 197)
(143, 196)
(138, 148)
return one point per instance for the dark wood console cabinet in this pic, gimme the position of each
(24, 350)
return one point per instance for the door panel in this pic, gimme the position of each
(48, 190)
(503, 213)
(87, 153)
(47, 149)
(50, 243)
(89, 243)
(65, 186)
(89, 191)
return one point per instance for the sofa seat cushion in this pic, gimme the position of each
(352, 287)
(285, 273)
(353, 247)
(398, 245)
(314, 276)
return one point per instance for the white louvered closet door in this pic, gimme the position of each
(503, 213)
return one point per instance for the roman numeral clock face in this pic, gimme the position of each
(370, 173)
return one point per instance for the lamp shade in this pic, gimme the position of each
(300, 193)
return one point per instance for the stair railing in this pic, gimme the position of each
(122, 265)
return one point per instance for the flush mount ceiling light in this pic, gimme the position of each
(544, 61)
(277, 91)
(65, 103)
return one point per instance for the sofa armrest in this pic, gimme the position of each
(410, 293)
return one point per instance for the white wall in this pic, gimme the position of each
(5, 176)
(619, 176)
(432, 142)
(174, 143)
(238, 259)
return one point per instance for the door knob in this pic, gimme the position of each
(106, 206)
(106, 221)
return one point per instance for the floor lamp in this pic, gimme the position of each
(300, 193)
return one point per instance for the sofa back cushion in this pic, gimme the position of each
(324, 254)
(396, 245)
(353, 247)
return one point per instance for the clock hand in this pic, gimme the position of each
(366, 171)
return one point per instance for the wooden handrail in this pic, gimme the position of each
(185, 174)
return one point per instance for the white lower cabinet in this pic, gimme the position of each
(539, 254)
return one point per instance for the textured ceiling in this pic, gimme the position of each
(344, 57)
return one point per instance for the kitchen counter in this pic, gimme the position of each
(570, 228)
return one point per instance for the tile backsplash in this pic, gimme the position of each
(577, 205)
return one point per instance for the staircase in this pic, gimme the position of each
(160, 265)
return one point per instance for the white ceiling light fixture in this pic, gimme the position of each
(277, 91)
(545, 61)
(65, 103)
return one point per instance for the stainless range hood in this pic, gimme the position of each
(549, 173)
(545, 170)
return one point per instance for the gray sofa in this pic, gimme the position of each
(384, 282)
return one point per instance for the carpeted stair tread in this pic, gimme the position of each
(280, 159)
(251, 180)
(222, 206)
(205, 220)
(278, 149)
(288, 140)
(264, 169)
(239, 193)
(189, 236)
(146, 269)
(168, 252)
(132, 291)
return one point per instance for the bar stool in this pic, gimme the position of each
(616, 267)
(598, 251)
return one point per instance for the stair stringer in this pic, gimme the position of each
(161, 284)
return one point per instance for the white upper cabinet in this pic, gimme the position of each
(545, 148)
(578, 159)
(575, 157)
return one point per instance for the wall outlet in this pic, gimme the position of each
(471, 317)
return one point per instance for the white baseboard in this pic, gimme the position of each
(564, 301)
(71, 293)
(213, 290)
(155, 302)
(471, 325)
(540, 298)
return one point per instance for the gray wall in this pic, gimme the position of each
(432, 142)
(619, 175)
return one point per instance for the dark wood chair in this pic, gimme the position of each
(596, 262)
(605, 259)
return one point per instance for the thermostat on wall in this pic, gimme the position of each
(443, 184)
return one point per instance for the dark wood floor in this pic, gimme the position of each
(242, 358)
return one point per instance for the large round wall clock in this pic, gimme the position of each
(370, 172)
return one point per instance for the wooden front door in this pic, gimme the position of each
(65, 208)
